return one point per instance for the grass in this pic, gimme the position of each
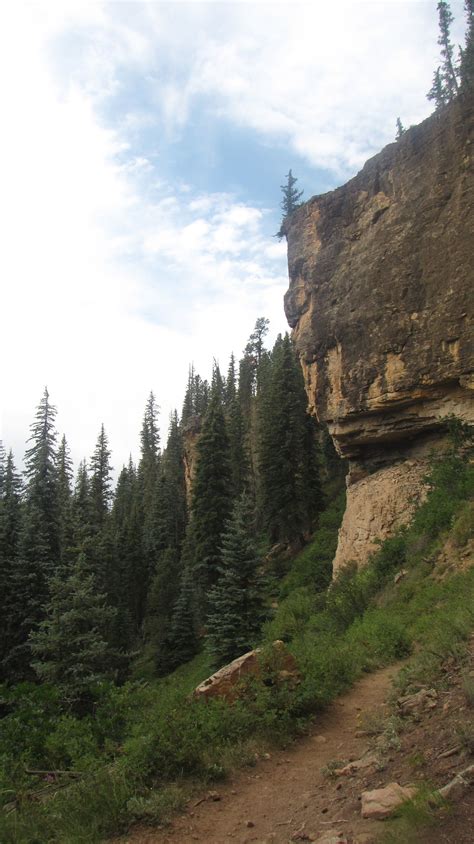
(148, 745)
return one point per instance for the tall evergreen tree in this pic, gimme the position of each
(182, 643)
(39, 545)
(447, 49)
(2, 468)
(126, 582)
(65, 515)
(400, 129)
(211, 499)
(231, 383)
(236, 602)
(150, 452)
(290, 201)
(467, 55)
(285, 477)
(11, 601)
(40, 536)
(71, 643)
(100, 481)
(81, 509)
(437, 92)
(100, 544)
(445, 81)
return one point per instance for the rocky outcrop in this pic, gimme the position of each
(382, 802)
(380, 302)
(191, 434)
(227, 682)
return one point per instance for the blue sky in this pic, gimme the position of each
(143, 147)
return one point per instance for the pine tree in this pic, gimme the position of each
(11, 606)
(174, 486)
(146, 500)
(286, 479)
(400, 129)
(162, 598)
(230, 384)
(65, 516)
(445, 81)
(290, 201)
(467, 55)
(150, 452)
(2, 468)
(39, 544)
(181, 642)
(40, 536)
(447, 50)
(126, 583)
(71, 643)
(211, 498)
(100, 545)
(437, 91)
(236, 602)
(81, 509)
(100, 481)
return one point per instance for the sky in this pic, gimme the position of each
(143, 145)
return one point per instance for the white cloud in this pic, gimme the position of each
(108, 294)
(114, 280)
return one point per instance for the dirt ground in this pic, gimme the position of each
(290, 797)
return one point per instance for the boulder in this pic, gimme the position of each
(226, 682)
(369, 761)
(332, 836)
(459, 785)
(420, 702)
(382, 802)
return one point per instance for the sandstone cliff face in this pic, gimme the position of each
(191, 435)
(381, 301)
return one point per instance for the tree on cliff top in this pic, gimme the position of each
(290, 201)
(445, 80)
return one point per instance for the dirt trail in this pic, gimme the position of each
(288, 793)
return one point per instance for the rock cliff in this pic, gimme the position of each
(380, 302)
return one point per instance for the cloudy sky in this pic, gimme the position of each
(143, 146)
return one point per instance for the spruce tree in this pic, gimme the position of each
(39, 543)
(81, 509)
(100, 481)
(437, 92)
(235, 604)
(65, 515)
(70, 645)
(126, 583)
(286, 479)
(162, 599)
(447, 50)
(290, 201)
(181, 642)
(211, 497)
(40, 535)
(11, 600)
(467, 55)
(445, 81)
(100, 545)
(400, 129)
(230, 384)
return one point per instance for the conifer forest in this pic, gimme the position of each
(93, 574)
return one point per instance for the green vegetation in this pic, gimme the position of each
(125, 760)
(454, 75)
(290, 201)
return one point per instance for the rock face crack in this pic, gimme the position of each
(380, 301)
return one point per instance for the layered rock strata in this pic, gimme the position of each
(380, 302)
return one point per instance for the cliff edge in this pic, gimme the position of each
(380, 301)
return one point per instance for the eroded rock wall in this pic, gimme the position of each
(381, 302)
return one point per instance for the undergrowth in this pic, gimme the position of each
(147, 744)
